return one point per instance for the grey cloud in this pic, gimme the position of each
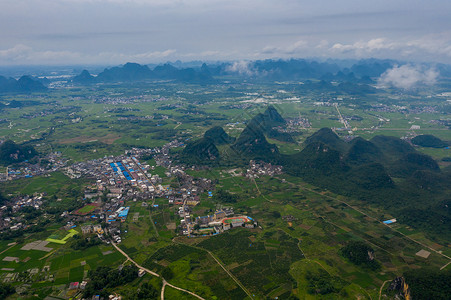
(232, 29)
(22, 54)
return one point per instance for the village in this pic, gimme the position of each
(48, 164)
(114, 183)
(115, 180)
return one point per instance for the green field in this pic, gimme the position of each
(279, 258)
(86, 209)
(63, 241)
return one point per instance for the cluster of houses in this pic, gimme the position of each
(294, 124)
(257, 169)
(8, 220)
(116, 172)
(48, 164)
(124, 178)
(218, 222)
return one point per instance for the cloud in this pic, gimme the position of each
(407, 77)
(362, 47)
(434, 48)
(23, 54)
(138, 57)
(241, 67)
(291, 49)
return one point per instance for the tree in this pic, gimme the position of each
(360, 253)
(6, 290)
(224, 196)
(167, 273)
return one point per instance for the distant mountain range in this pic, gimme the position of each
(136, 72)
(25, 84)
(294, 69)
(353, 77)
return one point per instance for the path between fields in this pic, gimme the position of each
(264, 197)
(317, 262)
(312, 260)
(155, 274)
(374, 219)
(8, 248)
(380, 290)
(151, 219)
(222, 266)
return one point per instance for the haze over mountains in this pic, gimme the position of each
(353, 77)
(25, 84)
(136, 72)
(364, 71)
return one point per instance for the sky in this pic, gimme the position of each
(72, 32)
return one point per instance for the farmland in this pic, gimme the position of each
(295, 248)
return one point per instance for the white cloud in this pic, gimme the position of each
(407, 77)
(241, 67)
(138, 57)
(434, 48)
(322, 44)
(362, 47)
(23, 54)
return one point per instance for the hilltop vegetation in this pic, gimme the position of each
(329, 138)
(385, 171)
(360, 254)
(429, 284)
(24, 84)
(367, 170)
(428, 140)
(252, 143)
(11, 152)
(218, 136)
(202, 149)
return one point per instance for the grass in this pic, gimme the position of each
(49, 184)
(320, 228)
(76, 274)
(86, 209)
(63, 241)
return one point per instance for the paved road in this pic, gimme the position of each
(162, 290)
(135, 263)
(155, 274)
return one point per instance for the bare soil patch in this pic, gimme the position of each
(107, 139)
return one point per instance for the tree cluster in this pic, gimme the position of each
(224, 196)
(103, 278)
(429, 284)
(6, 290)
(84, 243)
(360, 254)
